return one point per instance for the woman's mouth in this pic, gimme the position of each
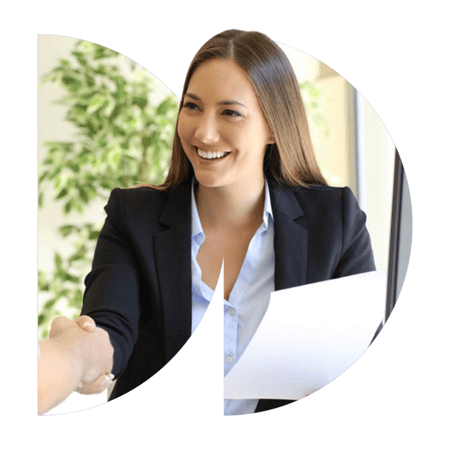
(211, 155)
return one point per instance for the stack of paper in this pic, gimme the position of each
(309, 336)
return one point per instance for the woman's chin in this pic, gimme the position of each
(209, 182)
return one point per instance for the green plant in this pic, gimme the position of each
(123, 138)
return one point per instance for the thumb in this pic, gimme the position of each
(86, 323)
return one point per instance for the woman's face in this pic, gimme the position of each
(222, 128)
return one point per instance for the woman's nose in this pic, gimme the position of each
(207, 130)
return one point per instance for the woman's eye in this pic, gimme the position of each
(232, 113)
(190, 105)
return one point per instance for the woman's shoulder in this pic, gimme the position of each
(146, 199)
(318, 188)
(141, 199)
(134, 196)
(141, 193)
(322, 201)
(325, 193)
(315, 192)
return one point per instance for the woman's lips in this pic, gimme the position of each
(211, 156)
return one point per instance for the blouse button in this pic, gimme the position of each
(229, 359)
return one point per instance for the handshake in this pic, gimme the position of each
(77, 356)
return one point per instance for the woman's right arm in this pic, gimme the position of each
(111, 296)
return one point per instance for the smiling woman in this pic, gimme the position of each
(266, 74)
(225, 146)
(244, 188)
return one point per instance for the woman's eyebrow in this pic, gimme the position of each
(195, 97)
(231, 102)
(223, 102)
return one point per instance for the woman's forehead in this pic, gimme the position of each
(221, 80)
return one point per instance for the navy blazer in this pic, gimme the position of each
(140, 286)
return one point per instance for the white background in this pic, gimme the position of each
(397, 394)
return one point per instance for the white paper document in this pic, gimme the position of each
(309, 336)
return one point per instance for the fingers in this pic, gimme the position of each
(86, 323)
(58, 325)
(90, 348)
(97, 386)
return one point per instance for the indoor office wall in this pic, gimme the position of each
(333, 148)
(335, 153)
(358, 152)
(375, 158)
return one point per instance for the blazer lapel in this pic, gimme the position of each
(173, 264)
(290, 239)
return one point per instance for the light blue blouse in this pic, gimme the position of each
(248, 299)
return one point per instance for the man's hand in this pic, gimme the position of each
(92, 351)
(77, 356)
(103, 381)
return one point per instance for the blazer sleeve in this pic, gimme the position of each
(356, 251)
(111, 296)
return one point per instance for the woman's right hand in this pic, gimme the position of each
(76, 352)
(103, 381)
(91, 349)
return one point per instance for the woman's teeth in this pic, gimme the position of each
(211, 155)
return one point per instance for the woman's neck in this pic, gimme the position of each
(232, 206)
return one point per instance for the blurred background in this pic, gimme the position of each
(106, 122)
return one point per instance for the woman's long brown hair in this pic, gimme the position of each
(291, 161)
